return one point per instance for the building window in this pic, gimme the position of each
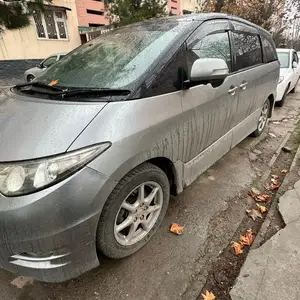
(95, 12)
(174, 8)
(51, 25)
(96, 25)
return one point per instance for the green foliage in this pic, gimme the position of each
(123, 12)
(15, 14)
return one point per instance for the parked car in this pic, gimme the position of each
(91, 150)
(32, 73)
(289, 74)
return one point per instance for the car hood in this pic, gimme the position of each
(31, 128)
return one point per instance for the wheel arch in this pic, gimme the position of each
(168, 167)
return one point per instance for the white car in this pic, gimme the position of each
(289, 73)
(31, 73)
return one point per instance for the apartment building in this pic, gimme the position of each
(174, 6)
(90, 14)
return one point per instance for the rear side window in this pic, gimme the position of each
(269, 50)
(248, 50)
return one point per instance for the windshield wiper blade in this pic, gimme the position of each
(96, 92)
(41, 87)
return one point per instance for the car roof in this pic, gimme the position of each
(207, 16)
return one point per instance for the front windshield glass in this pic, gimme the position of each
(284, 59)
(114, 60)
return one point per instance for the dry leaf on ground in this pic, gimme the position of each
(237, 248)
(177, 229)
(284, 171)
(253, 214)
(275, 176)
(262, 198)
(247, 239)
(208, 296)
(262, 209)
(275, 185)
(272, 135)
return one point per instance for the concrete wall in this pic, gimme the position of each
(24, 43)
(84, 19)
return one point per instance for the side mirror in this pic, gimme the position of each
(39, 66)
(209, 69)
(295, 65)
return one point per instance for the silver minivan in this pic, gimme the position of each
(92, 148)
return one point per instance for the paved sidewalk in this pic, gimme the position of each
(272, 272)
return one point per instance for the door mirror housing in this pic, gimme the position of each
(209, 69)
(39, 66)
(295, 65)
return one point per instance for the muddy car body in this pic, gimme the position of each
(91, 149)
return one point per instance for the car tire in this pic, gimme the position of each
(30, 78)
(263, 119)
(125, 205)
(281, 102)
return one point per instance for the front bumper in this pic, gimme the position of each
(50, 235)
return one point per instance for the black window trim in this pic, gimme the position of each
(235, 70)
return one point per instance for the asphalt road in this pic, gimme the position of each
(170, 266)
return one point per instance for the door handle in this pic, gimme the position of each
(232, 90)
(243, 85)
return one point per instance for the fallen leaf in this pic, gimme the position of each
(262, 198)
(284, 171)
(274, 186)
(262, 209)
(255, 191)
(177, 229)
(53, 82)
(272, 135)
(237, 248)
(253, 214)
(21, 281)
(208, 296)
(275, 177)
(247, 239)
(276, 122)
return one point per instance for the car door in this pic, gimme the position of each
(296, 71)
(209, 107)
(249, 67)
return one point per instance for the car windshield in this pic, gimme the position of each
(116, 59)
(284, 59)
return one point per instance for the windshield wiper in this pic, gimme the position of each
(95, 92)
(40, 87)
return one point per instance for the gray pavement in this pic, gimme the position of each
(272, 272)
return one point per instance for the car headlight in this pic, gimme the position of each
(29, 176)
(280, 79)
